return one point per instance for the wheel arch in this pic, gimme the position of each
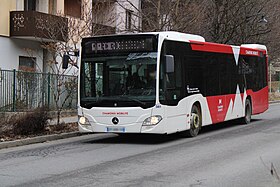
(198, 104)
(202, 103)
(249, 97)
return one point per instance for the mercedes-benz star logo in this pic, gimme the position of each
(115, 120)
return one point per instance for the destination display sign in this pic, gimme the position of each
(117, 45)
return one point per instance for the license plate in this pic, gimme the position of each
(115, 129)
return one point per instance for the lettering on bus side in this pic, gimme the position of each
(252, 52)
(114, 113)
(192, 90)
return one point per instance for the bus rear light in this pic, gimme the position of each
(153, 120)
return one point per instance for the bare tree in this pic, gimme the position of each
(63, 38)
(177, 15)
(237, 21)
(271, 39)
(245, 21)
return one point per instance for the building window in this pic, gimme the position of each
(73, 8)
(52, 7)
(27, 63)
(128, 20)
(30, 5)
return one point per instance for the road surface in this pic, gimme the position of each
(227, 154)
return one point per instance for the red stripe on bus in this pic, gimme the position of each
(223, 48)
(211, 47)
(219, 105)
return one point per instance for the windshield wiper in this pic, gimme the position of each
(100, 100)
(133, 99)
(89, 103)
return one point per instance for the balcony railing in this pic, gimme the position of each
(38, 26)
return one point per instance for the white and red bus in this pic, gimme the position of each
(167, 82)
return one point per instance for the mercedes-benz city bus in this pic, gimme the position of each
(167, 82)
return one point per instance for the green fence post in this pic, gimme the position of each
(49, 89)
(14, 91)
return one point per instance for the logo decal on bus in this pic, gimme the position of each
(252, 52)
(115, 120)
(220, 106)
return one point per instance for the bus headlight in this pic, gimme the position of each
(83, 120)
(153, 120)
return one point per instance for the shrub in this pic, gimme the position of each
(30, 123)
(5, 126)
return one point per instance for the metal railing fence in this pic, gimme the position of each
(24, 91)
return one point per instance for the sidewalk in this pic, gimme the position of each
(44, 138)
(70, 119)
(276, 101)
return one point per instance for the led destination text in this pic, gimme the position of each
(116, 45)
(122, 45)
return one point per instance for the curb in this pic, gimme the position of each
(273, 102)
(38, 139)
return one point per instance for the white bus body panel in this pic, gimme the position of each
(175, 118)
(130, 119)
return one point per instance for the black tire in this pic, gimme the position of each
(248, 112)
(195, 122)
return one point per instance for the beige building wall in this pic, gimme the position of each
(60, 6)
(20, 5)
(5, 8)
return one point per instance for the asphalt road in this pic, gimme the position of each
(227, 154)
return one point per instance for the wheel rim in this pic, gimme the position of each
(195, 121)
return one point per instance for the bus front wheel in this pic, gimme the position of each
(195, 122)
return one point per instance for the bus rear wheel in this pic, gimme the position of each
(195, 122)
(248, 112)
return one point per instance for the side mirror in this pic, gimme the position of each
(65, 61)
(169, 63)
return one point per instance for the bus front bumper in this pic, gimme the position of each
(130, 128)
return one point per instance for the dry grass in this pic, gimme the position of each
(31, 124)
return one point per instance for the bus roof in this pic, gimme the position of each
(166, 34)
(181, 36)
(178, 36)
(255, 46)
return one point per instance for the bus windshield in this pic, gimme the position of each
(121, 80)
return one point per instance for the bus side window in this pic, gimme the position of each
(212, 75)
(251, 69)
(224, 73)
(194, 76)
(171, 82)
